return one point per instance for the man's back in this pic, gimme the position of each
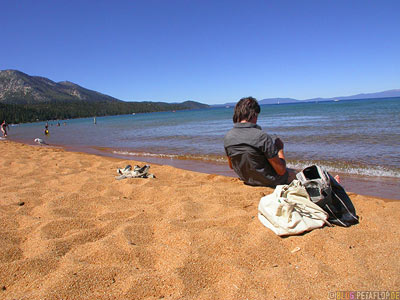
(249, 149)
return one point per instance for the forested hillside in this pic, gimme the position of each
(25, 98)
(18, 113)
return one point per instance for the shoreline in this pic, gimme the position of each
(386, 188)
(70, 230)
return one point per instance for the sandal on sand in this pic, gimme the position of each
(125, 170)
(137, 172)
(142, 170)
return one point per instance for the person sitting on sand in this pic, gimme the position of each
(252, 153)
(4, 127)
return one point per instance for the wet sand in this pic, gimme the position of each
(70, 230)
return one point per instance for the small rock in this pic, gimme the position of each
(296, 249)
(3, 288)
(275, 266)
(21, 203)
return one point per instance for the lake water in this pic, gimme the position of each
(360, 139)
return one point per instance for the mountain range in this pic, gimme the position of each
(25, 98)
(378, 95)
(19, 88)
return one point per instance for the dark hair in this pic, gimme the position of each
(246, 109)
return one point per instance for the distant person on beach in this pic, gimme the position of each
(254, 156)
(4, 127)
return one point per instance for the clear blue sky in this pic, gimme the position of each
(204, 50)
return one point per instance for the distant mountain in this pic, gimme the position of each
(19, 88)
(277, 101)
(378, 95)
(384, 94)
(194, 105)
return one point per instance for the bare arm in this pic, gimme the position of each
(278, 162)
(230, 162)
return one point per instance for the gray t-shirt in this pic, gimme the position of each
(249, 149)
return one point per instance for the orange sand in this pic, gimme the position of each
(69, 230)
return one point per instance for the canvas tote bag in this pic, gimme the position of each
(289, 210)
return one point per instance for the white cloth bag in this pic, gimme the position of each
(289, 210)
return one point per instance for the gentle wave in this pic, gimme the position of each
(332, 167)
(209, 158)
(338, 167)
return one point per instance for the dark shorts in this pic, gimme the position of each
(279, 180)
(283, 179)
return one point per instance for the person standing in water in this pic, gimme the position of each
(4, 127)
(46, 128)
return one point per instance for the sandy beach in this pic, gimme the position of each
(70, 230)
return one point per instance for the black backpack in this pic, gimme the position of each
(327, 193)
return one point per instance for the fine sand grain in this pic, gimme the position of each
(69, 230)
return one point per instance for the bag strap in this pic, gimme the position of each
(309, 209)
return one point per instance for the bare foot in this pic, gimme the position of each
(337, 178)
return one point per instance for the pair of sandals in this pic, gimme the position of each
(136, 172)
